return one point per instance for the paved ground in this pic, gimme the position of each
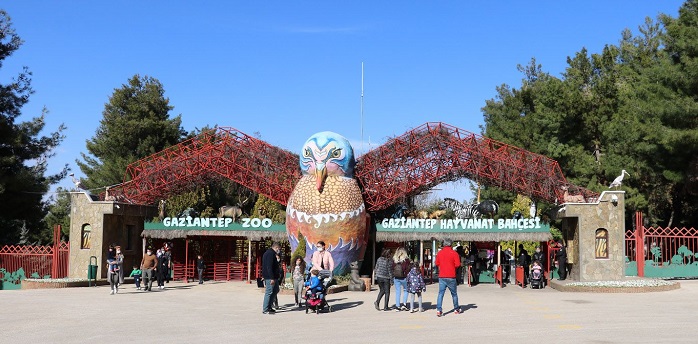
(231, 313)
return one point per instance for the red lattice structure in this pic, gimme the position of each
(222, 152)
(48, 260)
(406, 165)
(434, 153)
(640, 242)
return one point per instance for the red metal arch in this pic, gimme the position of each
(434, 153)
(406, 165)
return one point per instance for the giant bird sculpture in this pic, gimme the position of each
(327, 204)
(619, 180)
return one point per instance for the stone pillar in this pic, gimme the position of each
(104, 222)
(595, 233)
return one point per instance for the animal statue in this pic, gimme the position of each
(77, 182)
(233, 212)
(161, 210)
(462, 211)
(517, 215)
(532, 211)
(399, 212)
(189, 212)
(488, 207)
(436, 214)
(326, 203)
(616, 183)
(356, 283)
(571, 198)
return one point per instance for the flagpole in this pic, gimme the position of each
(362, 108)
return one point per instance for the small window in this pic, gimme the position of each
(129, 236)
(601, 244)
(86, 233)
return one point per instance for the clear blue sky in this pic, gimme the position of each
(288, 69)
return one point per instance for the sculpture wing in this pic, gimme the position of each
(216, 153)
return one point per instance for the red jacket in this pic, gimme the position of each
(447, 260)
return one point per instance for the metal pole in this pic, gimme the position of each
(249, 260)
(373, 260)
(186, 259)
(421, 256)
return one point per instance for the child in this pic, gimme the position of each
(415, 285)
(536, 270)
(314, 285)
(136, 274)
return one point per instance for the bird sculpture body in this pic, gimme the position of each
(326, 203)
(619, 180)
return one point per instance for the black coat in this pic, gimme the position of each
(561, 255)
(270, 267)
(540, 257)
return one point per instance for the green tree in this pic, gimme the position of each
(58, 214)
(136, 123)
(24, 152)
(633, 106)
(266, 207)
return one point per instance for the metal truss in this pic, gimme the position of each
(434, 153)
(407, 165)
(218, 153)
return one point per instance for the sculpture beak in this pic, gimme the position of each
(320, 176)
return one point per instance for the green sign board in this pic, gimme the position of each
(215, 224)
(463, 225)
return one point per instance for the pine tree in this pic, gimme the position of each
(135, 124)
(23, 152)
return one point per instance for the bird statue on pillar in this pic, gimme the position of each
(77, 182)
(326, 204)
(619, 180)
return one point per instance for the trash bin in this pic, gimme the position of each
(92, 271)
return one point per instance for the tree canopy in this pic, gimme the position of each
(136, 123)
(632, 106)
(24, 152)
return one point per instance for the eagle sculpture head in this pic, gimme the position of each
(327, 154)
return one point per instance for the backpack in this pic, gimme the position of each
(398, 271)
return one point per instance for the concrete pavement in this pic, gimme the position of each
(220, 312)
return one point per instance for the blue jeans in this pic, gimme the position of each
(269, 293)
(400, 287)
(449, 283)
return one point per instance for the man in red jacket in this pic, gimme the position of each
(447, 260)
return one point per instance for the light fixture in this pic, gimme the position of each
(614, 200)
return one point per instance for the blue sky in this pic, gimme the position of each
(289, 69)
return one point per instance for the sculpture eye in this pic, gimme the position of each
(307, 153)
(336, 153)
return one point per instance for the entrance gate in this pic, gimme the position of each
(661, 252)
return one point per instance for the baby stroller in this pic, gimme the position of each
(536, 279)
(316, 300)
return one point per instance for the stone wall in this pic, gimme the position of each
(110, 222)
(604, 214)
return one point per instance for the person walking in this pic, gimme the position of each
(112, 270)
(539, 256)
(384, 273)
(561, 257)
(271, 274)
(200, 267)
(120, 263)
(298, 275)
(415, 286)
(164, 266)
(447, 260)
(524, 262)
(400, 269)
(136, 274)
(322, 259)
(149, 263)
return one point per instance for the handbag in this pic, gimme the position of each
(260, 282)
